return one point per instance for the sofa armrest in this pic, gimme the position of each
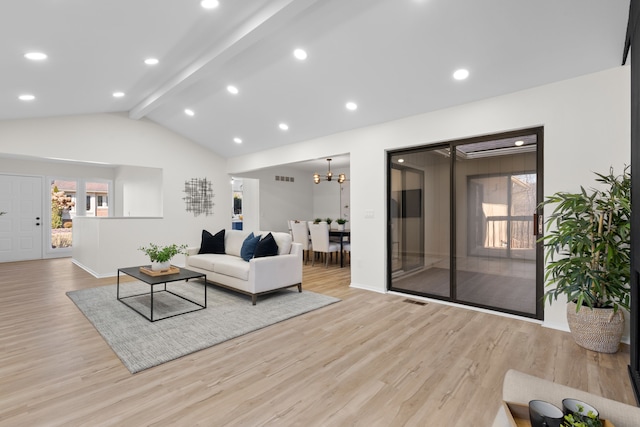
(274, 272)
(193, 250)
(521, 388)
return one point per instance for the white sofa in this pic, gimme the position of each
(255, 277)
(521, 388)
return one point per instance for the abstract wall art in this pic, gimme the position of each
(199, 196)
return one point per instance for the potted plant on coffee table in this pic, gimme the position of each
(588, 256)
(160, 256)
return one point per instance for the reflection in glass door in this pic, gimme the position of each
(475, 221)
(500, 223)
(419, 222)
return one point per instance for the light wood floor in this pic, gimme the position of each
(369, 360)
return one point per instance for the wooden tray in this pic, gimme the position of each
(150, 272)
(518, 415)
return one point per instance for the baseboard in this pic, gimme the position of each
(366, 288)
(90, 271)
(465, 307)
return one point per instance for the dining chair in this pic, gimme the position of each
(346, 247)
(300, 233)
(320, 241)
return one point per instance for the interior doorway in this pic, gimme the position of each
(463, 223)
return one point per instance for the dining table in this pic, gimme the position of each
(341, 234)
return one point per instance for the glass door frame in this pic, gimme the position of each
(538, 214)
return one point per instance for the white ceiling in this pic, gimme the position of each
(395, 58)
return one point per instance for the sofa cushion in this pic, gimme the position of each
(212, 244)
(249, 247)
(232, 266)
(283, 240)
(233, 241)
(205, 261)
(267, 246)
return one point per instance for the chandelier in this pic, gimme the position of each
(329, 176)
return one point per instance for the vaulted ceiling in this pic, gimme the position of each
(393, 58)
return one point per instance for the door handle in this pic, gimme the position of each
(537, 224)
(37, 218)
(37, 223)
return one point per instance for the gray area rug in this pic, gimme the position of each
(141, 344)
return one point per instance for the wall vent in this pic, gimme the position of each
(284, 178)
(412, 301)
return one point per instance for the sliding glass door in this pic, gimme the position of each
(496, 198)
(419, 222)
(462, 227)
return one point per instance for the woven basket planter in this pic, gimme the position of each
(598, 329)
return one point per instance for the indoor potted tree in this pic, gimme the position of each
(590, 231)
(160, 256)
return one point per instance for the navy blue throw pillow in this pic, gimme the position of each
(266, 247)
(249, 246)
(212, 244)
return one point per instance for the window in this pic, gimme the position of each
(65, 194)
(62, 212)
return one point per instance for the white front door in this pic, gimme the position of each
(21, 224)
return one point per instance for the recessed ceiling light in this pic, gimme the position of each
(189, 112)
(232, 89)
(35, 56)
(283, 126)
(237, 140)
(519, 143)
(151, 61)
(300, 54)
(400, 160)
(351, 106)
(209, 4)
(118, 94)
(461, 74)
(26, 97)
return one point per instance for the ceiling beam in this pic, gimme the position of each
(266, 21)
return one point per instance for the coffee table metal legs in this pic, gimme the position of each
(151, 317)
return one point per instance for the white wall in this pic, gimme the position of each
(138, 191)
(37, 166)
(326, 196)
(282, 201)
(251, 206)
(587, 128)
(118, 140)
(98, 243)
